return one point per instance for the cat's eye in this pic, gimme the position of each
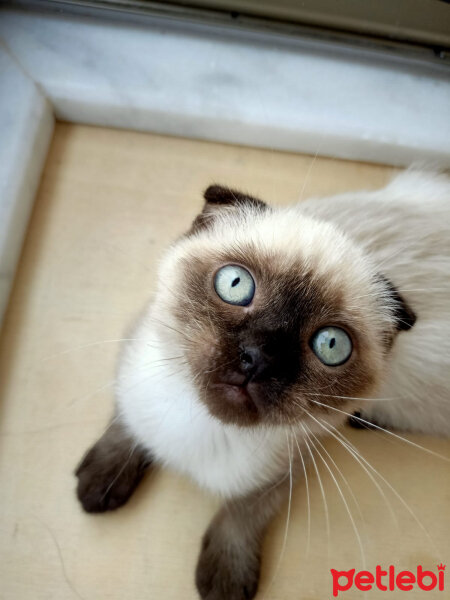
(332, 346)
(234, 285)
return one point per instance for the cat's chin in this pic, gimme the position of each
(234, 404)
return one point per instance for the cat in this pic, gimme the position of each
(269, 326)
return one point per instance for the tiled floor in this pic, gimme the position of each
(108, 203)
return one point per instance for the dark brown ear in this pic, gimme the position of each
(220, 196)
(404, 314)
(217, 198)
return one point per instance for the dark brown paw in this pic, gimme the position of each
(226, 571)
(358, 422)
(109, 474)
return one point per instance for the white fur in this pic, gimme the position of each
(159, 404)
(402, 230)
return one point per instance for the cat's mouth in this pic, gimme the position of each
(237, 393)
(235, 402)
(249, 390)
(239, 398)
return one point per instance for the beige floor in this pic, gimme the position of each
(108, 203)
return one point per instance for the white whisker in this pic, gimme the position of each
(309, 171)
(411, 443)
(343, 498)
(355, 454)
(119, 473)
(89, 345)
(358, 507)
(399, 497)
(353, 397)
(308, 500)
(322, 491)
(288, 516)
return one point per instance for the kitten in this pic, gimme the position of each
(269, 325)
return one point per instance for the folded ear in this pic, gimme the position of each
(404, 315)
(219, 198)
(218, 195)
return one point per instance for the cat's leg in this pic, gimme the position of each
(110, 471)
(229, 563)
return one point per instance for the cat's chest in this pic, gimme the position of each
(165, 416)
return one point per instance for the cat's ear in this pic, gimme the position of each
(404, 315)
(218, 195)
(218, 198)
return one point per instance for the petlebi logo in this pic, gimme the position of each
(388, 580)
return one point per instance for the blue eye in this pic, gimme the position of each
(332, 346)
(234, 285)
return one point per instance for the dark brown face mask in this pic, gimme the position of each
(265, 362)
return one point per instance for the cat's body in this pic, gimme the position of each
(377, 264)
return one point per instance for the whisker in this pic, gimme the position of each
(343, 498)
(309, 171)
(272, 487)
(50, 428)
(405, 290)
(359, 457)
(171, 328)
(347, 484)
(399, 497)
(308, 500)
(93, 393)
(89, 345)
(161, 362)
(119, 473)
(221, 366)
(353, 397)
(322, 491)
(354, 453)
(328, 427)
(411, 443)
(351, 448)
(288, 516)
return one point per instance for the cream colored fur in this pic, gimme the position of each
(402, 231)
(405, 229)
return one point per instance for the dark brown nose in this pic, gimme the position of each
(251, 364)
(262, 357)
(253, 361)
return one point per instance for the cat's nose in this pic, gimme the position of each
(253, 361)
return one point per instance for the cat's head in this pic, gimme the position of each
(274, 311)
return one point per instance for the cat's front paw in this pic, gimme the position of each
(226, 570)
(109, 473)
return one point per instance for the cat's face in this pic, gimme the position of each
(274, 312)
